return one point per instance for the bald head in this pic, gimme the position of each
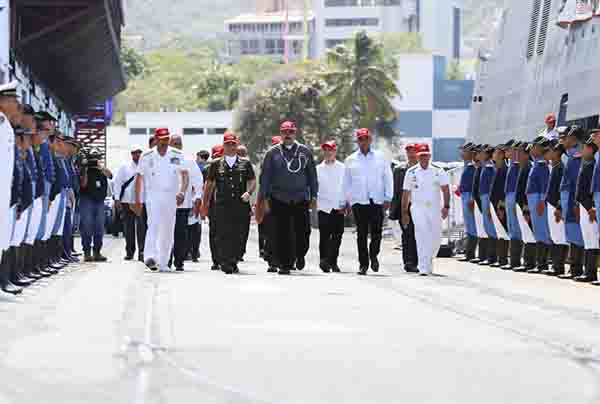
(242, 151)
(176, 142)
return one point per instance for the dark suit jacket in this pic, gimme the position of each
(396, 207)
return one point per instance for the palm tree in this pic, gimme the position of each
(358, 84)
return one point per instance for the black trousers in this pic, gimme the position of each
(245, 235)
(409, 245)
(194, 237)
(181, 242)
(134, 227)
(292, 225)
(212, 234)
(231, 219)
(331, 230)
(369, 219)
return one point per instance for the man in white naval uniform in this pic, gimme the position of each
(165, 181)
(9, 114)
(422, 186)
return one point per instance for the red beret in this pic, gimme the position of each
(161, 133)
(329, 145)
(288, 126)
(275, 140)
(217, 151)
(364, 132)
(423, 149)
(230, 137)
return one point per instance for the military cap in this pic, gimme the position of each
(538, 139)
(578, 132)
(465, 146)
(542, 142)
(594, 131)
(590, 142)
(524, 146)
(487, 148)
(44, 116)
(28, 110)
(9, 89)
(509, 143)
(563, 130)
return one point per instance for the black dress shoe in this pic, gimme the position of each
(141, 257)
(46, 273)
(596, 283)
(76, 254)
(179, 269)
(566, 276)
(272, 269)
(215, 267)
(128, 258)
(35, 275)
(534, 271)
(584, 279)
(335, 268)
(464, 259)
(99, 257)
(151, 264)
(300, 263)
(241, 259)
(363, 270)
(195, 260)
(87, 257)
(284, 271)
(475, 261)
(228, 269)
(324, 266)
(8, 287)
(375, 264)
(19, 282)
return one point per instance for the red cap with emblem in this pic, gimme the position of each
(275, 140)
(288, 126)
(230, 138)
(329, 145)
(423, 149)
(161, 133)
(217, 151)
(363, 133)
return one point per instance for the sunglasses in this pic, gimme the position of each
(288, 131)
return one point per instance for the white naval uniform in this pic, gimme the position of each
(161, 176)
(424, 186)
(7, 155)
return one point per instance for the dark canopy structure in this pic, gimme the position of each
(72, 46)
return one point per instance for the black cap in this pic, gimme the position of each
(487, 148)
(578, 132)
(28, 110)
(44, 116)
(542, 142)
(466, 146)
(563, 131)
(510, 143)
(590, 143)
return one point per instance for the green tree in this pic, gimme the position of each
(134, 63)
(358, 84)
(455, 71)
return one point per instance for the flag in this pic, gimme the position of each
(567, 15)
(583, 10)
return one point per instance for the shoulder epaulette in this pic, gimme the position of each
(177, 151)
(413, 168)
(148, 152)
(436, 166)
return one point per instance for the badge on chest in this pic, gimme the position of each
(175, 160)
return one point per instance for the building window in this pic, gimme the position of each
(216, 131)
(193, 131)
(138, 131)
(544, 28)
(351, 22)
(535, 17)
(456, 33)
(332, 43)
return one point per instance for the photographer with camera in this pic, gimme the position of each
(94, 187)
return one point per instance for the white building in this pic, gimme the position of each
(438, 21)
(200, 130)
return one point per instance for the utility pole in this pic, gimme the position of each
(306, 31)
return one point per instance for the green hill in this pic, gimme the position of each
(183, 22)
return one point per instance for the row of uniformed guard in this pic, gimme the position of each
(39, 189)
(539, 198)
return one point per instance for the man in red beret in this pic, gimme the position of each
(331, 204)
(232, 181)
(289, 184)
(369, 189)
(422, 186)
(208, 209)
(409, 243)
(165, 180)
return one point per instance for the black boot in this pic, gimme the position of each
(541, 252)
(492, 256)
(16, 272)
(501, 253)
(8, 261)
(576, 267)
(591, 267)
(529, 251)
(27, 264)
(558, 254)
(481, 251)
(470, 246)
(515, 249)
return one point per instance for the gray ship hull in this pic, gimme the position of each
(536, 67)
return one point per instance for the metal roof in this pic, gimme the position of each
(72, 47)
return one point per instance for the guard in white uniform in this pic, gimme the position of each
(165, 180)
(422, 186)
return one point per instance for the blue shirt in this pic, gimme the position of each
(30, 162)
(17, 180)
(486, 178)
(571, 171)
(466, 179)
(47, 162)
(539, 176)
(512, 178)
(596, 176)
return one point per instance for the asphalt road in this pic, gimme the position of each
(113, 333)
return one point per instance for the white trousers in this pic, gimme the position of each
(161, 227)
(35, 221)
(428, 234)
(51, 218)
(18, 234)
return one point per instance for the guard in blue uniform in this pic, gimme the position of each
(485, 188)
(537, 185)
(498, 201)
(559, 251)
(476, 201)
(595, 137)
(585, 197)
(466, 189)
(570, 214)
(510, 191)
(529, 250)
